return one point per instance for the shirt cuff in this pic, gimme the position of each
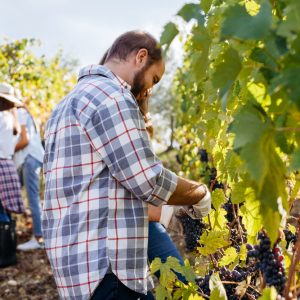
(164, 188)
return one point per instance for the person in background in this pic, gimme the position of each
(10, 189)
(28, 159)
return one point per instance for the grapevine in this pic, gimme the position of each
(237, 104)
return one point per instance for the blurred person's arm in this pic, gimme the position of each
(23, 140)
(24, 137)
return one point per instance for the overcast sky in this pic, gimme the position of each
(83, 29)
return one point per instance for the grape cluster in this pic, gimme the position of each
(269, 261)
(228, 206)
(289, 237)
(203, 156)
(230, 279)
(193, 229)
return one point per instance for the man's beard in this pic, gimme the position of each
(139, 83)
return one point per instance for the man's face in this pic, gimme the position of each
(146, 78)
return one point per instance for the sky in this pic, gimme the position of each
(82, 29)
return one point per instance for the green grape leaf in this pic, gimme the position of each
(245, 134)
(295, 161)
(167, 276)
(227, 70)
(288, 81)
(155, 265)
(264, 57)
(200, 43)
(212, 241)
(206, 4)
(218, 219)
(243, 253)
(269, 293)
(291, 24)
(173, 263)
(218, 198)
(238, 192)
(251, 218)
(238, 23)
(229, 257)
(192, 11)
(217, 290)
(169, 33)
(271, 222)
(161, 293)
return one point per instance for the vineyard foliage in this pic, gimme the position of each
(238, 97)
(42, 81)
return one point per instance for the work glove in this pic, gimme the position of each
(170, 214)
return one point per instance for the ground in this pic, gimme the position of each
(31, 278)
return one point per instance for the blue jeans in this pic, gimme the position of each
(111, 288)
(4, 216)
(30, 177)
(160, 245)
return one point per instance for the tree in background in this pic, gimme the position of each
(42, 81)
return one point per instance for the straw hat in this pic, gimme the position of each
(8, 93)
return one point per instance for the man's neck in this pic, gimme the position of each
(121, 69)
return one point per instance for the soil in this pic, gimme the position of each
(31, 278)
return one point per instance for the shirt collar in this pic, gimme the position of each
(103, 71)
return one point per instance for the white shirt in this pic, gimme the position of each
(34, 148)
(7, 139)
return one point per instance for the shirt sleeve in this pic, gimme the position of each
(117, 132)
(22, 116)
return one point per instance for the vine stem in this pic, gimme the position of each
(213, 261)
(292, 270)
(236, 217)
(203, 295)
(288, 129)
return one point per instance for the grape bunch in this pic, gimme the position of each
(230, 279)
(289, 237)
(228, 206)
(193, 229)
(203, 156)
(269, 261)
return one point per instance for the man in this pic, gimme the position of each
(28, 160)
(101, 174)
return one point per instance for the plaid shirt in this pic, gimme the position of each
(100, 176)
(10, 187)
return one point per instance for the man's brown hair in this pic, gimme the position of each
(133, 41)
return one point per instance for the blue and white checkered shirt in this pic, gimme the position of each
(100, 175)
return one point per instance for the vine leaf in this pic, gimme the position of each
(227, 70)
(251, 219)
(229, 257)
(218, 198)
(169, 33)
(217, 290)
(212, 241)
(268, 294)
(218, 218)
(288, 81)
(161, 293)
(206, 4)
(192, 11)
(238, 23)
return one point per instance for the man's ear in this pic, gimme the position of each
(141, 58)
